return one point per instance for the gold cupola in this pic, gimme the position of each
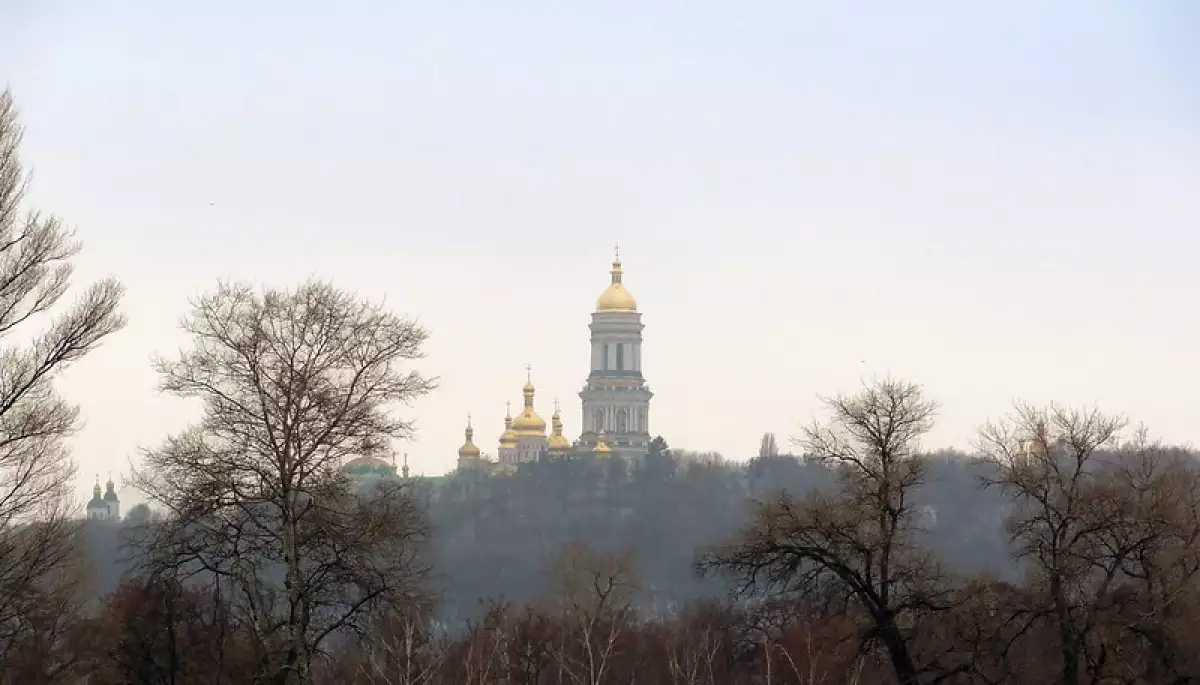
(616, 298)
(509, 437)
(528, 422)
(558, 443)
(468, 451)
(601, 447)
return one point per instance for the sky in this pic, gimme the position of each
(998, 201)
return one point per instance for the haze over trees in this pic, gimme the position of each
(1062, 550)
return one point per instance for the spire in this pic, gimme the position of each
(509, 437)
(558, 444)
(403, 469)
(616, 298)
(470, 430)
(110, 490)
(96, 489)
(527, 391)
(616, 265)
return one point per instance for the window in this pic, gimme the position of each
(620, 357)
(605, 366)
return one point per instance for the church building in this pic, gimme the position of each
(615, 400)
(106, 507)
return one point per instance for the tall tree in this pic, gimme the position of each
(854, 546)
(768, 447)
(36, 471)
(1108, 531)
(293, 383)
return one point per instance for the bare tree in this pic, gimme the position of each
(595, 595)
(401, 650)
(1108, 530)
(36, 471)
(855, 547)
(1045, 459)
(292, 383)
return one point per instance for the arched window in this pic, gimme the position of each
(622, 420)
(598, 425)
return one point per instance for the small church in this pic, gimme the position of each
(106, 507)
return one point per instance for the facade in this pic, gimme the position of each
(615, 400)
(106, 507)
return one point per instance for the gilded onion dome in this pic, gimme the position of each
(469, 451)
(616, 298)
(509, 437)
(528, 422)
(601, 447)
(558, 443)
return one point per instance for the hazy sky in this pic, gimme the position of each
(997, 202)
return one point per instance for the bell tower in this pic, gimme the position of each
(616, 400)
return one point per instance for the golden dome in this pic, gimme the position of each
(528, 422)
(509, 437)
(601, 446)
(469, 450)
(616, 298)
(557, 442)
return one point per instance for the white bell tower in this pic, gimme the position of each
(615, 398)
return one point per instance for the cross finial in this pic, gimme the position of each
(529, 373)
(468, 419)
(555, 404)
(508, 406)
(617, 251)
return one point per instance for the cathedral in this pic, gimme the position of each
(615, 400)
(106, 507)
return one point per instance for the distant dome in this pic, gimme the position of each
(601, 447)
(367, 466)
(469, 451)
(528, 422)
(616, 298)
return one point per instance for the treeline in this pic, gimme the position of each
(260, 561)
(496, 537)
(831, 575)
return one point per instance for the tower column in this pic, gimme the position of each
(615, 397)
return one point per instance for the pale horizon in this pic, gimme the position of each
(997, 203)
